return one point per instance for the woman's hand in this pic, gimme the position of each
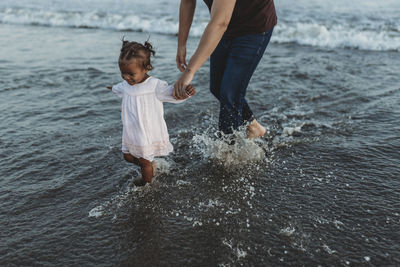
(181, 84)
(181, 58)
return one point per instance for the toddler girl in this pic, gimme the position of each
(144, 134)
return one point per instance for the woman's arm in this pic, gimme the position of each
(186, 13)
(221, 13)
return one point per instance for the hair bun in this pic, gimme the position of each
(149, 47)
(124, 42)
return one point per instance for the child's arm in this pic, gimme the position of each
(190, 90)
(117, 89)
(164, 93)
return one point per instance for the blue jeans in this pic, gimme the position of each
(231, 66)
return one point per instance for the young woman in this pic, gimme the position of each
(236, 37)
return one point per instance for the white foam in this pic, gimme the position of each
(195, 223)
(115, 21)
(338, 224)
(96, 211)
(288, 231)
(288, 131)
(337, 36)
(211, 204)
(370, 34)
(182, 183)
(328, 250)
(239, 253)
(162, 166)
(227, 243)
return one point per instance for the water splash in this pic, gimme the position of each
(126, 193)
(97, 211)
(242, 151)
(162, 166)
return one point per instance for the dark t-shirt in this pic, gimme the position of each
(250, 16)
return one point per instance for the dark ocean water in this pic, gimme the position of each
(321, 188)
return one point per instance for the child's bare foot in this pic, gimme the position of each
(139, 181)
(254, 130)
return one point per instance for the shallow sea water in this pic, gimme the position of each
(321, 188)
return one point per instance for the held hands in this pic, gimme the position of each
(181, 84)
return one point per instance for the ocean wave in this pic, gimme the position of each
(316, 34)
(78, 19)
(338, 36)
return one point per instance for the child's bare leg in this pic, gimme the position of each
(129, 158)
(146, 167)
(255, 129)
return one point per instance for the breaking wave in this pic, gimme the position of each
(371, 35)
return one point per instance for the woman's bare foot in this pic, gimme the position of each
(254, 130)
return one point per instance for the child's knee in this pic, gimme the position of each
(129, 158)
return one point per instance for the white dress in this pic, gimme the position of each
(144, 133)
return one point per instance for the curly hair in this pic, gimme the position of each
(138, 51)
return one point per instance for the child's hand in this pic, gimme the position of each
(109, 87)
(190, 90)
